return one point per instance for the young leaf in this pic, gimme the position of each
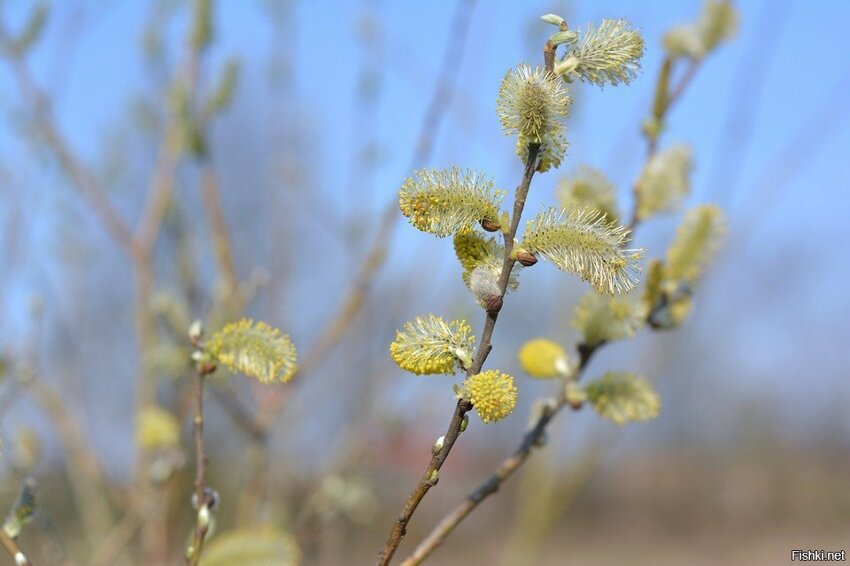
(256, 350)
(623, 397)
(584, 243)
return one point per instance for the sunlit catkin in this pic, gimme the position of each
(429, 345)
(492, 393)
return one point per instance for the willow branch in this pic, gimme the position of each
(431, 475)
(201, 499)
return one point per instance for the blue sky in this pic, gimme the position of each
(767, 118)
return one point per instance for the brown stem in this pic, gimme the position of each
(193, 555)
(11, 546)
(431, 475)
(492, 484)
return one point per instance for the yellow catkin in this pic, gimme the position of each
(256, 350)
(158, 428)
(543, 358)
(492, 393)
(429, 345)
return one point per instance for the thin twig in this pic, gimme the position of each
(201, 499)
(431, 475)
(492, 484)
(11, 546)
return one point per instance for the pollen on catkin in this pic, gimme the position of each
(543, 358)
(471, 248)
(588, 187)
(429, 345)
(532, 103)
(256, 350)
(601, 318)
(492, 393)
(664, 181)
(444, 202)
(584, 243)
(605, 54)
(696, 242)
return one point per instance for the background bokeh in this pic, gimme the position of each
(749, 457)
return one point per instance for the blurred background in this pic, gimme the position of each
(135, 143)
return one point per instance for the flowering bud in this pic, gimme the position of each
(438, 445)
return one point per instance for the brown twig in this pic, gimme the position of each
(492, 484)
(202, 498)
(11, 546)
(431, 475)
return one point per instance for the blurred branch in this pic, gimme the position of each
(84, 472)
(211, 199)
(351, 305)
(13, 549)
(665, 98)
(82, 177)
(799, 149)
(118, 538)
